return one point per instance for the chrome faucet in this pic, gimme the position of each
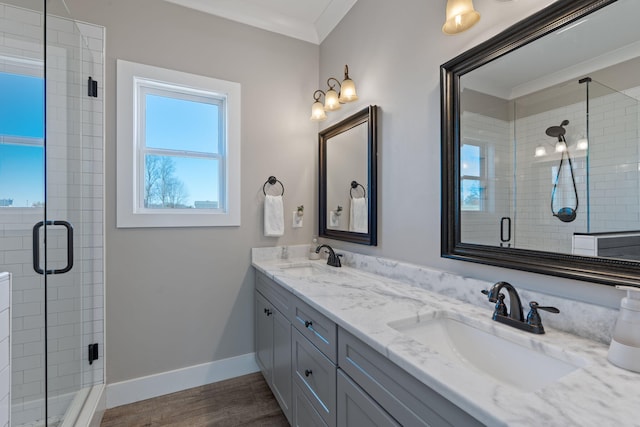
(333, 260)
(514, 317)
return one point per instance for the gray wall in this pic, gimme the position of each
(394, 54)
(178, 297)
(184, 296)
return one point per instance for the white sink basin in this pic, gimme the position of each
(514, 359)
(305, 270)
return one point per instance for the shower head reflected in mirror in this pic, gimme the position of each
(557, 131)
(565, 214)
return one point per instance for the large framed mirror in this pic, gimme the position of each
(348, 179)
(541, 147)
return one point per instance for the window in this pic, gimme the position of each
(178, 149)
(21, 141)
(472, 179)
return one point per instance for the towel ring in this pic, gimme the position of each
(354, 185)
(272, 181)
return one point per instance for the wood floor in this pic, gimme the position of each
(242, 401)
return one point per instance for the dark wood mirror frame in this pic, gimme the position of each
(598, 270)
(368, 115)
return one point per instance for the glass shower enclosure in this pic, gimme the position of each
(599, 175)
(51, 208)
(552, 168)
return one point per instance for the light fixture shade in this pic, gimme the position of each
(541, 151)
(561, 147)
(348, 91)
(317, 112)
(331, 102)
(582, 144)
(460, 16)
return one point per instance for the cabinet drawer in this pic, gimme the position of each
(303, 413)
(318, 329)
(278, 296)
(316, 377)
(405, 398)
(355, 408)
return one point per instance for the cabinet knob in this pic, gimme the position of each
(307, 372)
(307, 323)
(267, 312)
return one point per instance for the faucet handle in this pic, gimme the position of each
(535, 305)
(533, 318)
(500, 308)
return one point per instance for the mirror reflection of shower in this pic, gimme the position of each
(564, 214)
(522, 138)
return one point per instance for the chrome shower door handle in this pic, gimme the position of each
(36, 247)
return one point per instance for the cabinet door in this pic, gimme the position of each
(356, 408)
(264, 336)
(282, 374)
(304, 415)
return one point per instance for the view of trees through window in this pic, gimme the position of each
(162, 188)
(182, 150)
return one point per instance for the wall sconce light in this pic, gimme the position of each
(561, 146)
(582, 144)
(332, 98)
(460, 16)
(541, 150)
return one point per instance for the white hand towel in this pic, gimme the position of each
(358, 216)
(273, 216)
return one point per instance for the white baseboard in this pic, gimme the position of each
(96, 405)
(142, 388)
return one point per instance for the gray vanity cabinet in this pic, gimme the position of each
(314, 361)
(323, 376)
(407, 400)
(315, 376)
(264, 337)
(357, 408)
(304, 414)
(273, 341)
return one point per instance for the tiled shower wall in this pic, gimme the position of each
(75, 193)
(614, 195)
(495, 137)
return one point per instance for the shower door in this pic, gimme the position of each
(22, 197)
(63, 227)
(50, 209)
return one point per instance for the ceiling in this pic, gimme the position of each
(308, 20)
(605, 38)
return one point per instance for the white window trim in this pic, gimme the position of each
(128, 215)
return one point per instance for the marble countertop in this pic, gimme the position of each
(362, 303)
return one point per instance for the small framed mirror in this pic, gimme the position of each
(348, 179)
